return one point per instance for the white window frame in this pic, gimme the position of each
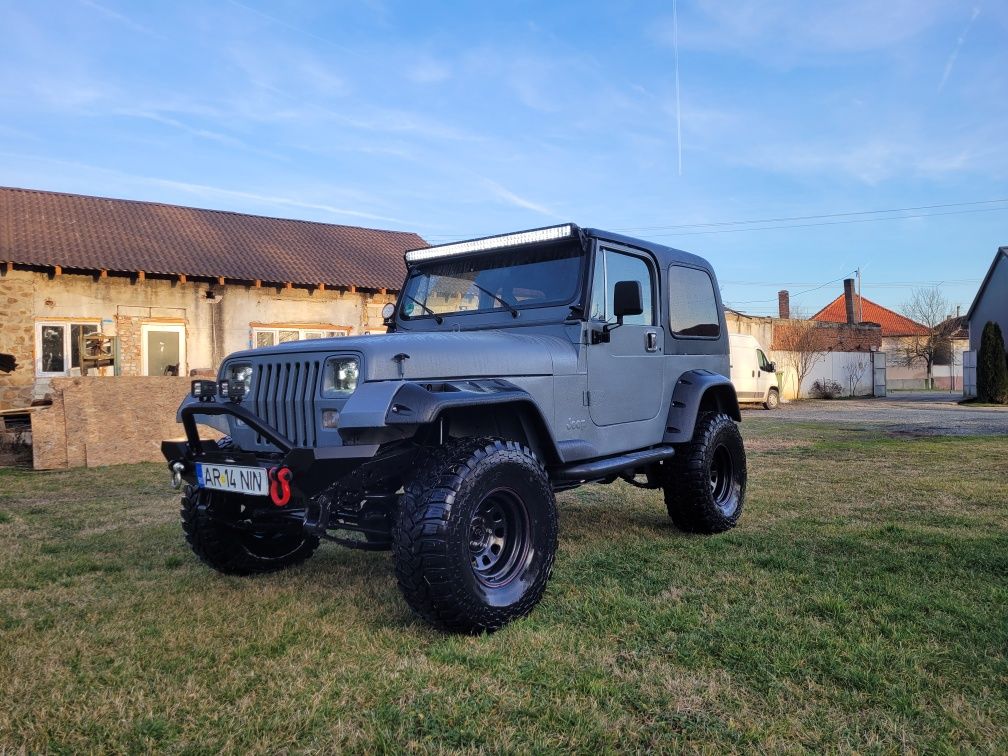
(65, 324)
(178, 328)
(301, 331)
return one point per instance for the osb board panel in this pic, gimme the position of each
(49, 450)
(111, 421)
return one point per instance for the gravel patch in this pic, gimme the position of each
(909, 415)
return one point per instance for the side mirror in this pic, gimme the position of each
(627, 299)
(772, 367)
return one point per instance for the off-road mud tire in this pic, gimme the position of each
(232, 551)
(438, 527)
(706, 481)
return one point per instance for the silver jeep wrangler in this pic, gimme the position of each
(515, 366)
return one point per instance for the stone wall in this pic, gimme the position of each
(218, 319)
(94, 422)
(17, 337)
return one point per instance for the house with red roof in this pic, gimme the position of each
(896, 330)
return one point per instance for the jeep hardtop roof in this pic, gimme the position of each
(548, 234)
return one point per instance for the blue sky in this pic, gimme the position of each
(465, 119)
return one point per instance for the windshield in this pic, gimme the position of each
(496, 281)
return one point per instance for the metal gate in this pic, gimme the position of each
(969, 374)
(878, 373)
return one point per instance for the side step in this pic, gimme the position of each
(603, 468)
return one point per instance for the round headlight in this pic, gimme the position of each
(388, 310)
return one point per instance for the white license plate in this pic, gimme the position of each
(246, 480)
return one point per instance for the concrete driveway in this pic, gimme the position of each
(926, 413)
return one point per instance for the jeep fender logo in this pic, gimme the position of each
(576, 423)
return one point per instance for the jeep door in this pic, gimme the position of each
(625, 367)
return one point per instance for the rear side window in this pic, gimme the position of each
(693, 307)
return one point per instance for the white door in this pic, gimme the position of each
(162, 349)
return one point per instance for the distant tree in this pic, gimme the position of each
(854, 371)
(802, 344)
(929, 308)
(992, 369)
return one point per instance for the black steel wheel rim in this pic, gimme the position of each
(722, 479)
(499, 538)
(263, 545)
(267, 545)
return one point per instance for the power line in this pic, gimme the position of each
(815, 217)
(849, 215)
(886, 283)
(834, 223)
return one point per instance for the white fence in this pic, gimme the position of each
(841, 367)
(969, 374)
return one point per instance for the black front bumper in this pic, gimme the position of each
(313, 469)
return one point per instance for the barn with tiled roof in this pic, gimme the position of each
(173, 289)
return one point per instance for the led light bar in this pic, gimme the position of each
(517, 239)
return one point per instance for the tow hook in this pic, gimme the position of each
(177, 469)
(280, 478)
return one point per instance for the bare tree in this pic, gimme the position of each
(929, 308)
(802, 344)
(854, 370)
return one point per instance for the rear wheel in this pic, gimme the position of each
(476, 535)
(772, 399)
(221, 533)
(706, 481)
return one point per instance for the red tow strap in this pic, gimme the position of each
(280, 478)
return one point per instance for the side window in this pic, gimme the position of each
(692, 305)
(764, 363)
(612, 267)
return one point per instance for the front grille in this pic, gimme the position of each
(284, 396)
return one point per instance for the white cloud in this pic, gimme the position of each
(790, 32)
(511, 198)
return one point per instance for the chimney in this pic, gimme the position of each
(783, 304)
(848, 295)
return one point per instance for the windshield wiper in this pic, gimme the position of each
(513, 310)
(437, 318)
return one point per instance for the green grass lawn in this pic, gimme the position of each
(861, 604)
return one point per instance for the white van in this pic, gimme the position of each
(754, 376)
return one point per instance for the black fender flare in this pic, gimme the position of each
(694, 391)
(420, 403)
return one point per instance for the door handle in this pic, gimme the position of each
(651, 341)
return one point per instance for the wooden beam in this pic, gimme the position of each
(103, 274)
(288, 285)
(353, 289)
(8, 267)
(57, 270)
(141, 276)
(220, 280)
(182, 278)
(383, 292)
(321, 287)
(258, 284)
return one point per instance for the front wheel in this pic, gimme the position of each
(221, 533)
(476, 535)
(772, 399)
(706, 481)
